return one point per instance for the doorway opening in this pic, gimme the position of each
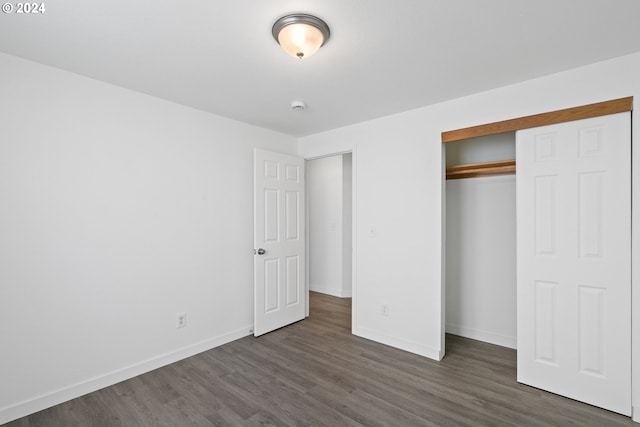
(329, 182)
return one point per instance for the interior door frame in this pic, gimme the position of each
(353, 230)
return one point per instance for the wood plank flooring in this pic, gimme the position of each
(315, 373)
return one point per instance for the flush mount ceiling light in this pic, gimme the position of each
(300, 35)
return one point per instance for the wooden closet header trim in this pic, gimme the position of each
(577, 113)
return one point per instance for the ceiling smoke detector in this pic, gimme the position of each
(298, 106)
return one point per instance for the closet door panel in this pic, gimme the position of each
(574, 259)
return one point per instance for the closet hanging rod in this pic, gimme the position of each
(474, 170)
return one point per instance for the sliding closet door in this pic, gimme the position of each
(574, 259)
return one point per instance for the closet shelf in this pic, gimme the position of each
(474, 170)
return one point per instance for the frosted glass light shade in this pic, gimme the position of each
(300, 35)
(300, 40)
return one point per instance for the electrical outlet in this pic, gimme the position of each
(181, 320)
(384, 310)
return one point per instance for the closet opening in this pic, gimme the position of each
(479, 222)
(573, 209)
(480, 287)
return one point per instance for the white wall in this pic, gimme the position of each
(118, 211)
(481, 259)
(392, 169)
(398, 186)
(329, 222)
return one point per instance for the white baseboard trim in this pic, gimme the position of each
(490, 337)
(635, 414)
(336, 292)
(47, 400)
(406, 345)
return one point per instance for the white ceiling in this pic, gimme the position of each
(383, 57)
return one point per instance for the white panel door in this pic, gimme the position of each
(279, 260)
(574, 260)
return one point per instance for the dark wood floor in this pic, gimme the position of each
(316, 373)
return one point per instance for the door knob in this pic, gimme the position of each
(260, 251)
